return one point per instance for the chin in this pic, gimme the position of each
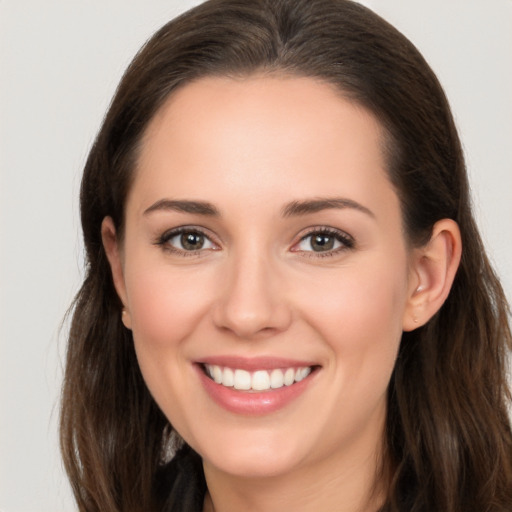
(249, 458)
(264, 467)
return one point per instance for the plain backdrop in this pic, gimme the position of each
(60, 61)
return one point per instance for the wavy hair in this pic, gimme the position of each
(448, 434)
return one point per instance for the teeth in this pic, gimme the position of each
(289, 377)
(260, 380)
(242, 380)
(276, 379)
(217, 374)
(228, 377)
(302, 373)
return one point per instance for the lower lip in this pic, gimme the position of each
(253, 403)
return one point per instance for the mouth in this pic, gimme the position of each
(256, 381)
(255, 386)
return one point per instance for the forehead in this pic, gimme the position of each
(261, 136)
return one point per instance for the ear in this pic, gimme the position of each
(433, 270)
(114, 256)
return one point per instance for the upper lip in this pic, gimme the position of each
(255, 363)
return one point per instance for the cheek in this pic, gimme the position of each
(359, 315)
(165, 307)
(164, 304)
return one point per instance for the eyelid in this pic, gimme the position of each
(165, 237)
(347, 241)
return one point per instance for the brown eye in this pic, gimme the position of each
(322, 242)
(192, 241)
(186, 241)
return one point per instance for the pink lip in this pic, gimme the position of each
(251, 402)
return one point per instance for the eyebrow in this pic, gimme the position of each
(295, 208)
(184, 206)
(306, 207)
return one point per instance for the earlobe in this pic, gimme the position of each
(113, 252)
(433, 270)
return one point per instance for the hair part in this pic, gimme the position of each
(449, 442)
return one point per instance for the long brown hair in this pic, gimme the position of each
(448, 438)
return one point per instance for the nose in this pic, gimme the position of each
(252, 299)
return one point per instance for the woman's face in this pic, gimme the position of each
(265, 273)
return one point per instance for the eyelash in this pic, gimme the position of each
(163, 240)
(346, 241)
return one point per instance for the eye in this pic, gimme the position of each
(186, 240)
(324, 241)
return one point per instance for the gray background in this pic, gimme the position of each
(60, 61)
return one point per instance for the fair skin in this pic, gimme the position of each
(262, 233)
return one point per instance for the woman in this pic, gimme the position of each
(287, 303)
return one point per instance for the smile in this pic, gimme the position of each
(260, 380)
(255, 386)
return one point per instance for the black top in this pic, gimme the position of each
(181, 486)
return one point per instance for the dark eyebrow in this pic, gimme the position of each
(185, 206)
(315, 205)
